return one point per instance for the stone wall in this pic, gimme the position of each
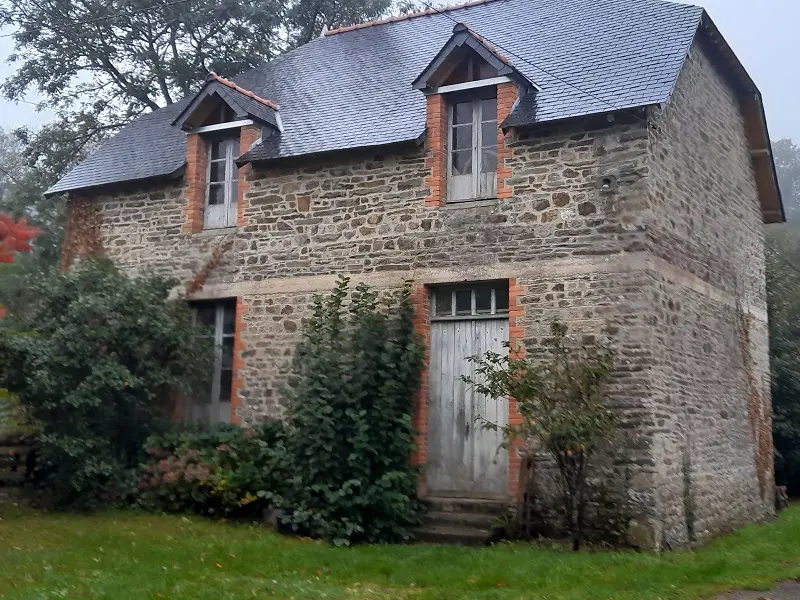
(711, 394)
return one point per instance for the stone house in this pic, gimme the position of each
(604, 163)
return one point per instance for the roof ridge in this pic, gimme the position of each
(422, 13)
(227, 82)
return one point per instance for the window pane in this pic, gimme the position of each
(206, 315)
(444, 303)
(462, 137)
(216, 193)
(225, 393)
(227, 353)
(217, 149)
(463, 302)
(217, 171)
(229, 320)
(483, 300)
(462, 162)
(489, 109)
(489, 134)
(462, 113)
(501, 298)
(488, 160)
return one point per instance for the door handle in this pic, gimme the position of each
(466, 430)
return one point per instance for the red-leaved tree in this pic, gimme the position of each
(15, 236)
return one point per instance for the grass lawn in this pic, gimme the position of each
(123, 556)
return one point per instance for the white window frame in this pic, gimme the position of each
(475, 185)
(217, 410)
(222, 215)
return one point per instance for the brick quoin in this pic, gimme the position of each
(516, 334)
(195, 191)
(422, 326)
(436, 160)
(237, 379)
(249, 135)
(506, 96)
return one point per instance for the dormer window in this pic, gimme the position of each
(222, 182)
(472, 169)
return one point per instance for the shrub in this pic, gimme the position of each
(94, 358)
(349, 402)
(561, 402)
(222, 470)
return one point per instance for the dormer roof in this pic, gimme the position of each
(243, 103)
(463, 43)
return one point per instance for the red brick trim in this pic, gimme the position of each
(195, 191)
(506, 96)
(422, 326)
(516, 335)
(436, 143)
(239, 347)
(247, 138)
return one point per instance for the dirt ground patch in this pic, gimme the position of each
(785, 591)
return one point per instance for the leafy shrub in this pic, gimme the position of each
(350, 435)
(561, 400)
(94, 358)
(222, 470)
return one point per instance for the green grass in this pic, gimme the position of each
(123, 556)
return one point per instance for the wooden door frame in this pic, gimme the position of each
(422, 326)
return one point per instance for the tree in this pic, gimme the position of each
(561, 400)
(101, 63)
(783, 299)
(350, 435)
(94, 357)
(787, 165)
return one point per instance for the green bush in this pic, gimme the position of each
(350, 435)
(222, 470)
(94, 357)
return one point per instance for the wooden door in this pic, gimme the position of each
(464, 459)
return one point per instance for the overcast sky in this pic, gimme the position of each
(760, 32)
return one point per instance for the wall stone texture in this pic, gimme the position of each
(664, 267)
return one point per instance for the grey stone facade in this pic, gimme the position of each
(667, 266)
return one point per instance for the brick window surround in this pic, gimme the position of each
(195, 178)
(420, 298)
(437, 123)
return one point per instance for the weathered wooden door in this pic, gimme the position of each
(465, 459)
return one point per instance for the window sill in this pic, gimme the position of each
(217, 231)
(472, 203)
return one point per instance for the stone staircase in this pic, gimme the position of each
(463, 521)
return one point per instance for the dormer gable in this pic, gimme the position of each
(465, 60)
(222, 101)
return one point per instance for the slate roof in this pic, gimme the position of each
(353, 88)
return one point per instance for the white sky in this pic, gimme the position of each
(760, 32)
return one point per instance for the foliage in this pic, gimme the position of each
(783, 300)
(94, 357)
(561, 400)
(787, 165)
(15, 236)
(222, 470)
(350, 435)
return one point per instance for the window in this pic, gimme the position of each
(215, 406)
(222, 182)
(484, 300)
(472, 168)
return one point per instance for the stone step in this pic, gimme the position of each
(452, 534)
(466, 519)
(494, 508)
